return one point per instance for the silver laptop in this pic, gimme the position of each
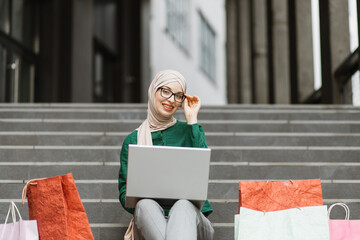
(167, 174)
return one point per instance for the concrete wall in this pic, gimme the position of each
(164, 52)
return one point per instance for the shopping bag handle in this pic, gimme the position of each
(13, 209)
(23, 195)
(347, 210)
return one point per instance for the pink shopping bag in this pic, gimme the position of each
(18, 230)
(343, 229)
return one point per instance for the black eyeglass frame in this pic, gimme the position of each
(172, 94)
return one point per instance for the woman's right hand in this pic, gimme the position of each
(192, 106)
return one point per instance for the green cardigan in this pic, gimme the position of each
(180, 134)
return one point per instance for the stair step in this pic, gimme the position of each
(111, 212)
(144, 106)
(284, 172)
(231, 171)
(220, 114)
(109, 220)
(218, 154)
(218, 189)
(106, 125)
(249, 142)
(215, 140)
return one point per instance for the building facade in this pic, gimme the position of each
(109, 50)
(188, 36)
(276, 50)
(230, 51)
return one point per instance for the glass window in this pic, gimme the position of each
(23, 22)
(98, 75)
(105, 14)
(207, 49)
(105, 50)
(2, 73)
(18, 80)
(18, 48)
(177, 24)
(4, 16)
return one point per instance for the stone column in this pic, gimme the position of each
(260, 51)
(339, 45)
(82, 56)
(232, 57)
(281, 52)
(245, 51)
(304, 49)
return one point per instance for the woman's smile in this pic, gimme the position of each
(168, 107)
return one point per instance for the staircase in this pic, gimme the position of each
(249, 142)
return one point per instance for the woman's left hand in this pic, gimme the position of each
(192, 106)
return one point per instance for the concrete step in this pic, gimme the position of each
(204, 114)
(249, 142)
(116, 233)
(265, 171)
(106, 125)
(288, 171)
(109, 220)
(213, 139)
(298, 154)
(218, 189)
(112, 213)
(109, 212)
(117, 106)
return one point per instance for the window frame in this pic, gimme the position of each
(207, 48)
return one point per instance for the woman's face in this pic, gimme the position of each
(167, 107)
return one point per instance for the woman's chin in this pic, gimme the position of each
(167, 113)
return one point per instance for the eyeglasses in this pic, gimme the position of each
(166, 93)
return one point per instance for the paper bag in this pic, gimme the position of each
(306, 223)
(56, 205)
(18, 230)
(343, 229)
(279, 195)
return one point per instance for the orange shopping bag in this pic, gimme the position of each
(56, 205)
(279, 195)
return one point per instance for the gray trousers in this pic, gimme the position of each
(185, 222)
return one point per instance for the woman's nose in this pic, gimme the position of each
(172, 98)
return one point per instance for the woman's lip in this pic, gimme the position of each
(168, 107)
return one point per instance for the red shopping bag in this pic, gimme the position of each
(56, 205)
(343, 229)
(279, 195)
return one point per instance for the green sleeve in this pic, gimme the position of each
(198, 136)
(207, 209)
(199, 140)
(123, 171)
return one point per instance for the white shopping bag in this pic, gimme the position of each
(18, 230)
(236, 226)
(306, 223)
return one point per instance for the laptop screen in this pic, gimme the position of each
(167, 174)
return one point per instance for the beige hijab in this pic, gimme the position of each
(154, 121)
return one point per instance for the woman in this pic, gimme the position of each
(183, 221)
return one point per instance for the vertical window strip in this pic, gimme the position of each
(316, 43)
(207, 46)
(354, 44)
(177, 22)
